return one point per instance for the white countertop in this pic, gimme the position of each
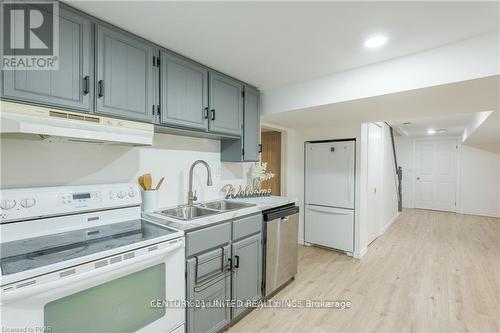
(265, 203)
(261, 203)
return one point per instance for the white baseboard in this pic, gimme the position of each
(388, 224)
(360, 254)
(480, 213)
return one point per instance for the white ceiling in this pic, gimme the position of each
(270, 44)
(463, 97)
(488, 132)
(454, 124)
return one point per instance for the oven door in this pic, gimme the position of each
(121, 296)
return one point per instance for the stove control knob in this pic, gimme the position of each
(7, 204)
(121, 194)
(28, 202)
(131, 193)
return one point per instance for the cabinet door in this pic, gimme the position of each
(247, 274)
(125, 80)
(70, 86)
(251, 125)
(226, 105)
(205, 283)
(184, 93)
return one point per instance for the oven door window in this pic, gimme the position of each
(120, 305)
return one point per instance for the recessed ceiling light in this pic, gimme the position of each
(375, 41)
(434, 131)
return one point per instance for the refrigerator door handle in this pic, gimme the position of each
(351, 176)
(332, 210)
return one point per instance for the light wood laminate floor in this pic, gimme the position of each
(430, 272)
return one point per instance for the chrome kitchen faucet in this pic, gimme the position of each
(192, 196)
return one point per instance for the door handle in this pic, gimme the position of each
(100, 88)
(86, 85)
(205, 112)
(237, 262)
(260, 148)
(213, 114)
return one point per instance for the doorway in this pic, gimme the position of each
(435, 171)
(271, 154)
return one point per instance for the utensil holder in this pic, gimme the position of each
(149, 201)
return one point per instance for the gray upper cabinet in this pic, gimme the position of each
(125, 79)
(226, 105)
(251, 127)
(69, 87)
(247, 276)
(246, 149)
(108, 71)
(183, 93)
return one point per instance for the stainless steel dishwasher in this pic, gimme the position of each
(280, 230)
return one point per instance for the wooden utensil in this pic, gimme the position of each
(148, 181)
(159, 183)
(140, 180)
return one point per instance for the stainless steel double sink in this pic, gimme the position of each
(188, 213)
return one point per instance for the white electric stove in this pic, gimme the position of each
(81, 258)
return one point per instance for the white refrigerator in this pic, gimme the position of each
(329, 194)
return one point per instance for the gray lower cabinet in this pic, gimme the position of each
(247, 148)
(226, 105)
(223, 268)
(183, 93)
(208, 279)
(125, 80)
(71, 86)
(247, 274)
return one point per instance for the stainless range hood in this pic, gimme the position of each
(56, 125)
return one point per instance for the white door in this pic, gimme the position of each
(329, 173)
(435, 171)
(374, 177)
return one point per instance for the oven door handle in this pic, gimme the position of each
(78, 281)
